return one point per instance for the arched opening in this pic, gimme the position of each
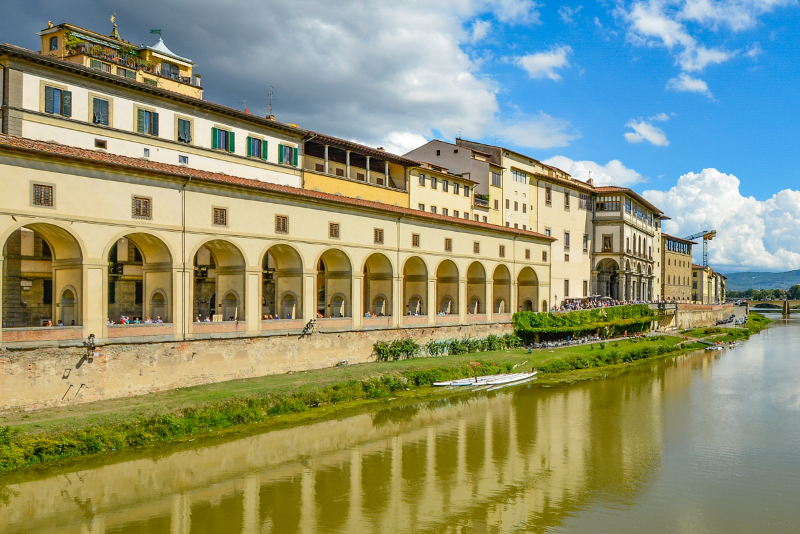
(415, 286)
(476, 288)
(42, 277)
(528, 290)
(544, 306)
(282, 283)
(334, 281)
(501, 287)
(447, 288)
(219, 269)
(378, 285)
(139, 279)
(608, 279)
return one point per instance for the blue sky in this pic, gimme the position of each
(690, 102)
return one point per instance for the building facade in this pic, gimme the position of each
(676, 259)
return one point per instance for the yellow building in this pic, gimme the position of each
(435, 190)
(705, 285)
(676, 261)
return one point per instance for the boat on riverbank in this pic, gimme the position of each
(488, 380)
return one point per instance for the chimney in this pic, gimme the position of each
(271, 118)
(590, 182)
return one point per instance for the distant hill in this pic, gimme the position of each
(754, 280)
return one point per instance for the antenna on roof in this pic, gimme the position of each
(270, 93)
(460, 130)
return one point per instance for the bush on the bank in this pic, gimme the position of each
(600, 359)
(399, 349)
(616, 320)
(402, 349)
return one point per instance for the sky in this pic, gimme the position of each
(691, 103)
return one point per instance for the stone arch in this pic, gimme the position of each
(41, 261)
(528, 289)
(447, 287)
(231, 303)
(501, 290)
(159, 304)
(476, 288)
(378, 278)
(68, 305)
(282, 275)
(415, 286)
(608, 278)
(219, 269)
(334, 279)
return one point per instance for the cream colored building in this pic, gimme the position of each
(676, 261)
(435, 190)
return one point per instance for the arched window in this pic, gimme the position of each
(53, 43)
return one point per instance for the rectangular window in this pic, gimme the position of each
(519, 176)
(476, 247)
(445, 186)
(281, 224)
(466, 190)
(146, 153)
(508, 204)
(527, 253)
(496, 179)
(547, 232)
(455, 214)
(151, 81)
(548, 196)
(448, 244)
(112, 292)
(288, 155)
(47, 291)
(183, 160)
(339, 172)
(585, 242)
(142, 208)
(566, 240)
(608, 243)
(544, 255)
(57, 101)
(256, 148)
(421, 207)
(42, 195)
(607, 203)
(377, 234)
(138, 297)
(100, 111)
(496, 204)
(584, 202)
(220, 217)
(466, 215)
(502, 251)
(415, 240)
(456, 188)
(433, 209)
(333, 230)
(566, 200)
(524, 208)
(445, 212)
(516, 225)
(360, 176)
(421, 179)
(433, 182)
(126, 73)
(223, 139)
(566, 257)
(101, 143)
(146, 121)
(516, 206)
(585, 288)
(566, 288)
(476, 217)
(184, 131)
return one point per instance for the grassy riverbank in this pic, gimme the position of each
(51, 435)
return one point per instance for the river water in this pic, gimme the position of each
(708, 442)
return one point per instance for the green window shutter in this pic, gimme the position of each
(214, 138)
(130, 74)
(264, 149)
(140, 120)
(67, 104)
(48, 99)
(187, 131)
(249, 146)
(280, 153)
(97, 115)
(95, 64)
(154, 120)
(231, 142)
(105, 115)
(295, 152)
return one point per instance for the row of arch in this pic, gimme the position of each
(634, 283)
(141, 274)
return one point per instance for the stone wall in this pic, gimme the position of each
(700, 315)
(47, 377)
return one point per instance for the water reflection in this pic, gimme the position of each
(512, 461)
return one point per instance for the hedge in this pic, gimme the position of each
(634, 318)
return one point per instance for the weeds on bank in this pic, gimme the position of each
(405, 348)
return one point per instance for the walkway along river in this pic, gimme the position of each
(706, 442)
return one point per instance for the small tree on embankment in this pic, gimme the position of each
(533, 326)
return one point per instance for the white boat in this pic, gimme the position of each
(715, 347)
(486, 380)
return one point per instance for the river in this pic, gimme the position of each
(707, 442)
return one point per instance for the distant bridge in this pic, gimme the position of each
(784, 305)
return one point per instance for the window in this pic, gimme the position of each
(433, 182)
(184, 131)
(433, 209)
(256, 148)
(53, 43)
(377, 235)
(508, 204)
(151, 81)
(43, 195)
(146, 121)
(415, 240)
(548, 195)
(694, 285)
(438, 152)
(421, 179)
(585, 242)
(516, 206)
(584, 202)
(466, 215)
(496, 204)
(476, 247)
(502, 251)
(527, 253)
(169, 70)
(544, 255)
(142, 208)
(138, 290)
(455, 214)
(456, 188)
(99, 65)
(547, 232)
(566, 240)
(566, 288)
(566, 200)
(100, 143)
(519, 176)
(223, 139)
(360, 176)
(333, 230)
(448, 244)
(466, 190)
(516, 225)
(585, 288)
(183, 160)
(421, 207)
(608, 243)
(445, 212)
(485, 218)
(100, 111)
(694, 275)
(339, 172)
(496, 181)
(57, 101)
(476, 217)
(126, 73)
(445, 186)
(628, 244)
(607, 203)
(281, 224)
(146, 153)
(220, 217)
(455, 151)
(566, 257)
(289, 154)
(524, 208)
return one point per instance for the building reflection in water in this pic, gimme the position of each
(515, 460)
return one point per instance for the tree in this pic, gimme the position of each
(794, 292)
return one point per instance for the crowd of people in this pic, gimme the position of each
(136, 320)
(591, 304)
(59, 323)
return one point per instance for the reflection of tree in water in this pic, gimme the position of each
(6, 494)
(396, 415)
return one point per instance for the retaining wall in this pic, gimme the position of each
(701, 315)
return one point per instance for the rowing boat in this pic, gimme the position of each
(488, 380)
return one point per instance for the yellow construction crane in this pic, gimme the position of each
(707, 236)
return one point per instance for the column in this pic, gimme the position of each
(462, 300)
(252, 299)
(181, 519)
(181, 300)
(513, 298)
(489, 299)
(433, 304)
(2, 271)
(251, 512)
(326, 159)
(309, 295)
(93, 297)
(398, 306)
(386, 172)
(347, 159)
(367, 174)
(357, 304)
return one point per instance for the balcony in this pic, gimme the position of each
(130, 61)
(481, 201)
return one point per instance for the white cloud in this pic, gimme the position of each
(567, 13)
(402, 142)
(612, 173)
(643, 130)
(541, 131)
(751, 234)
(480, 29)
(686, 84)
(544, 64)
(516, 11)
(737, 15)
(754, 51)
